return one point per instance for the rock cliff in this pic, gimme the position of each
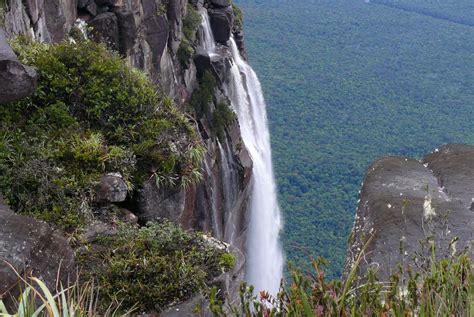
(162, 38)
(406, 205)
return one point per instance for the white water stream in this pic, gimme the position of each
(264, 255)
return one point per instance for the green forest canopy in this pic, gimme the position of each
(347, 82)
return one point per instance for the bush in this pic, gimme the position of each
(155, 266)
(91, 114)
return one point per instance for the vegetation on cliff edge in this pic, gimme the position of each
(90, 115)
(153, 266)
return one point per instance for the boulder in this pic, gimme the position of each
(105, 30)
(112, 189)
(155, 203)
(221, 23)
(32, 248)
(405, 202)
(17, 80)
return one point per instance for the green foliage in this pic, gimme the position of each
(191, 23)
(3, 11)
(222, 117)
(79, 299)
(227, 261)
(90, 115)
(76, 34)
(350, 82)
(155, 266)
(238, 16)
(446, 289)
(203, 96)
(185, 52)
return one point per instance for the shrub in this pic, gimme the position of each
(185, 52)
(203, 96)
(445, 289)
(221, 118)
(227, 261)
(191, 23)
(90, 114)
(155, 266)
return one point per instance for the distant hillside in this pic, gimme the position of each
(347, 82)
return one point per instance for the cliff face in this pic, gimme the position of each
(152, 35)
(405, 204)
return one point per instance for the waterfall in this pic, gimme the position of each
(264, 255)
(230, 192)
(207, 43)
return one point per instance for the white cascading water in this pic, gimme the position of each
(207, 43)
(264, 255)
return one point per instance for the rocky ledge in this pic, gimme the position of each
(406, 205)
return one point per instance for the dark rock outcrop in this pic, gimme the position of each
(221, 3)
(154, 203)
(127, 30)
(17, 80)
(105, 29)
(157, 37)
(88, 6)
(32, 248)
(222, 20)
(219, 65)
(405, 203)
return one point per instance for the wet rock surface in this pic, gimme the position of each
(405, 203)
